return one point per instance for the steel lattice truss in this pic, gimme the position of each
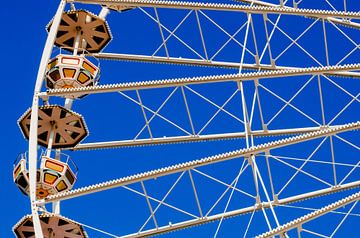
(288, 93)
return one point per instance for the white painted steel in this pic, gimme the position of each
(332, 19)
(104, 12)
(256, 207)
(281, 230)
(33, 156)
(209, 63)
(193, 138)
(201, 162)
(225, 7)
(204, 79)
(269, 71)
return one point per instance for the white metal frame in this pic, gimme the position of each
(281, 230)
(254, 150)
(325, 129)
(34, 116)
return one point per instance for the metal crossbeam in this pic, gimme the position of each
(233, 213)
(193, 138)
(204, 220)
(332, 19)
(225, 7)
(202, 79)
(297, 222)
(200, 162)
(209, 63)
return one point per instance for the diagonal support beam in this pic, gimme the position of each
(202, 79)
(204, 220)
(185, 139)
(297, 222)
(225, 7)
(208, 63)
(233, 213)
(333, 19)
(196, 138)
(200, 162)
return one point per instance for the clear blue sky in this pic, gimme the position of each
(114, 117)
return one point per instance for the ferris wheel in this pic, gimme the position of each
(209, 119)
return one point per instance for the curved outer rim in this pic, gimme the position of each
(34, 116)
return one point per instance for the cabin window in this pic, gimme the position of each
(61, 186)
(69, 73)
(50, 178)
(83, 78)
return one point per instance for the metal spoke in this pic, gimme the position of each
(195, 193)
(342, 221)
(314, 209)
(302, 171)
(290, 225)
(161, 34)
(344, 108)
(302, 166)
(201, 35)
(289, 104)
(290, 100)
(220, 108)
(188, 110)
(231, 37)
(144, 114)
(223, 183)
(313, 161)
(156, 113)
(294, 41)
(149, 204)
(172, 33)
(163, 200)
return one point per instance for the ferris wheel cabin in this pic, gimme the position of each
(71, 71)
(53, 176)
